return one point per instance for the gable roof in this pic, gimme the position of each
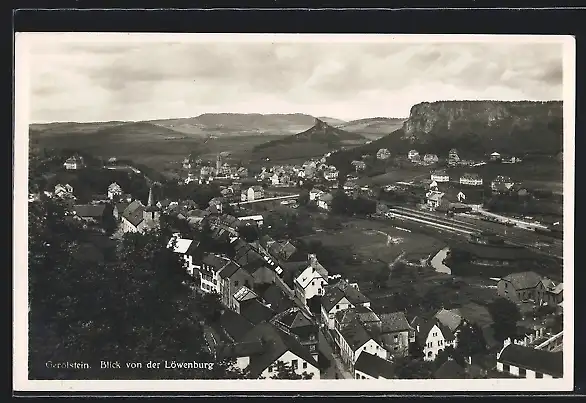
(523, 280)
(542, 361)
(291, 270)
(394, 322)
(355, 335)
(332, 296)
(255, 311)
(244, 294)
(89, 210)
(354, 295)
(450, 318)
(216, 262)
(229, 270)
(450, 370)
(243, 349)
(181, 245)
(234, 324)
(425, 327)
(307, 275)
(374, 366)
(277, 343)
(134, 213)
(277, 298)
(293, 317)
(360, 313)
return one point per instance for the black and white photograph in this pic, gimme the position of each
(330, 212)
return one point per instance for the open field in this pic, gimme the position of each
(405, 174)
(377, 241)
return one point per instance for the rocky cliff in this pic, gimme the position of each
(508, 126)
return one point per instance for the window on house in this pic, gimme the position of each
(522, 372)
(304, 365)
(313, 283)
(357, 376)
(337, 306)
(270, 368)
(506, 368)
(294, 364)
(429, 354)
(236, 283)
(538, 375)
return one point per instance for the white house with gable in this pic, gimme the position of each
(312, 281)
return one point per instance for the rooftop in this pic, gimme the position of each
(355, 335)
(523, 280)
(374, 366)
(541, 361)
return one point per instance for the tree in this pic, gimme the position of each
(303, 199)
(408, 368)
(249, 233)
(505, 315)
(340, 202)
(471, 340)
(286, 371)
(138, 308)
(449, 353)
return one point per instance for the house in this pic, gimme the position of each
(383, 154)
(209, 270)
(339, 297)
(413, 155)
(471, 179)
(331, 174)
(231, 326)
(295, 321)
(74, 162)
(353, 338)
(501, 184)
(91, 213)
(311, 282)
(278, 346)
(359, 165)
(187, 163)
(527, 362)
(371, 366)
(188, 249)
(284, 251)
(521, 286)
(396, 333)
(255, 311)
(450, 318)
(495, 156)
(325, 201)
(274, 297)
(432, 336)
(450, 370)
(241, 296)
(430, 159)
(232, 278)
(314, 194)
(435, 199)
(242, 172)
(453, 157)
(64, 191)
(138, 218)
(114, 191)
(254, 193)
(554, 292)
(440, 175)
(252, 219)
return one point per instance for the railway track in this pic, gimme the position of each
(516, 236)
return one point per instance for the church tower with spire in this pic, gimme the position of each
(151, 212)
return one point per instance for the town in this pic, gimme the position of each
(314, 271)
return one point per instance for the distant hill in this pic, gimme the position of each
(379, 126)
(474, 128)
(111, 138)
(317, 140)
(222, 124)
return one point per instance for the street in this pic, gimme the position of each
(336, 369)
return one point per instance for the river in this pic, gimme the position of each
(437, 262)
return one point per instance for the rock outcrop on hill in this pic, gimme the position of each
(476, 128)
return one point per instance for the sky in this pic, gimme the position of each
(73, 78)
